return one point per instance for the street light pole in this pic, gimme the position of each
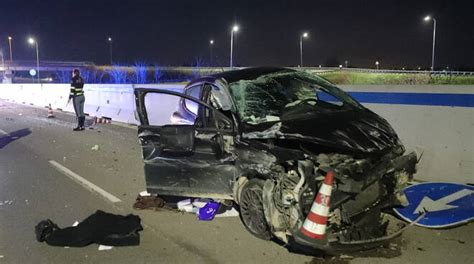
(304, 35)
(33, 41)
(110, 48)
(10, 44)
(3, 61)
(235, 28)
(211, 44)
(377, 64)
(428, 18)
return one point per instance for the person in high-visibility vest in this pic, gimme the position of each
(78, 99)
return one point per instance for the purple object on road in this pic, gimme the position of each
(208, 212)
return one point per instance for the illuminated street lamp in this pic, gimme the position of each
(304, 35)
(235, 28)
(110, 49)
(428, 18)
(10, 44)
(377, 64)
(211, 44)
(32, 41)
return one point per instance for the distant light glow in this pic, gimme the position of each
(427, 18)
(31, 40)
(377, 63)
(109, 39)
(211, 41)
(235, 28)
(305, 35)
(9, 38)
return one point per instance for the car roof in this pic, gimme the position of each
(243, 74)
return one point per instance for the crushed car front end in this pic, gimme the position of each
(291, 147)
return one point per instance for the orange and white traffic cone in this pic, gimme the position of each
(50, 112)
(315, 224)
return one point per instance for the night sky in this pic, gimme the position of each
(178, 32)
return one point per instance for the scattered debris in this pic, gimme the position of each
(145, 193)
(7, 202)
(346, 257)
(457, 240)
(148, 202)
(187, 206)
(208, 212)
(95, 147)
(64, 159)
(104, 247)
(420, 249)
(229, 213)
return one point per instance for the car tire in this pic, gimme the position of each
(251, 209)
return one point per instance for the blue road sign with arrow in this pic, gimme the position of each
(446, 204)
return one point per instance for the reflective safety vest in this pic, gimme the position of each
(77, 86)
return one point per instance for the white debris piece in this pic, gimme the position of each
(145, 194)
(64, 159)
(95, 147)
(200, 203)
(75, 223)
(187, 206)
(103, 247)
(229, 213)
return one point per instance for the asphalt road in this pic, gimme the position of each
(33, 189)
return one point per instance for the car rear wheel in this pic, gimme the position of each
(251, 209)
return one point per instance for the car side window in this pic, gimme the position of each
(194, 91)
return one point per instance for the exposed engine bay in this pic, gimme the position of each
(364, 192)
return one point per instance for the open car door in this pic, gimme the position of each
(184, 159)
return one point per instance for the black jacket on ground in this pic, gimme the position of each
(100, 228)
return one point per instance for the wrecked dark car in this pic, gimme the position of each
(267, 139)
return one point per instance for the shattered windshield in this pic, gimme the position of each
(269, 97)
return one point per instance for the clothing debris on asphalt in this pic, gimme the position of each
(208, 211)
(95, 147)
(101, 228)
(148, 202)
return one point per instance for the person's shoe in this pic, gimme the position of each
(78, 129)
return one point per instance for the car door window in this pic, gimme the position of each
(160, 108)
(194, 91)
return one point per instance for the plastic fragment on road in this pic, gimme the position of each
(208, 212)
(104, 247)
(145, 193)
(229, 213)
(95, 147)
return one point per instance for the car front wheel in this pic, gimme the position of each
(251, 209)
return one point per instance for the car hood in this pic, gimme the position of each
(352, 130)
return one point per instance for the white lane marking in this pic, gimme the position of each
(85, 183)
(3, 132)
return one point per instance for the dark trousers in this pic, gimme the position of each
(78, 102)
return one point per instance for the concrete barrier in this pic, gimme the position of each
(437, 121)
